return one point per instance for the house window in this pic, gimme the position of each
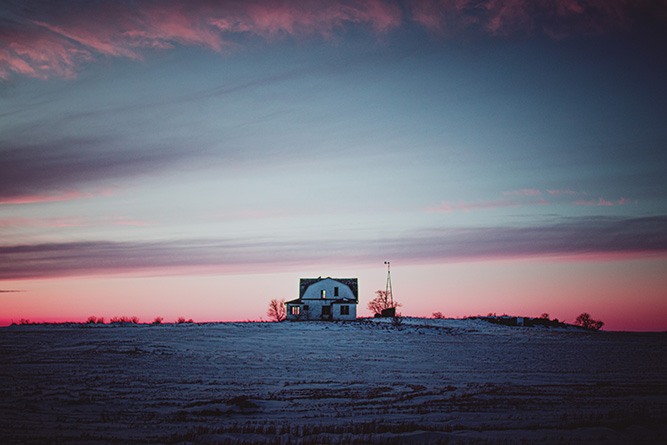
(323, 293)
(294, 310)
(306, 307)
(326, 310)
(345, 310)
(336, 291)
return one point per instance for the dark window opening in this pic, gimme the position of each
(345, 310)
(306, 307)
(335, 291)
(326, 310)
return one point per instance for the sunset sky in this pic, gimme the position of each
(195, 159)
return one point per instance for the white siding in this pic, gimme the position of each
(314, 292)
(334, 300)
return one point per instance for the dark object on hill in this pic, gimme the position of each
(506, 320)
(585, 321)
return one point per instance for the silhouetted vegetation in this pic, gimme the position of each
(124, 320)
(585, 321)
(277, 311)
(381, 303)
(438, 315)
(157, 320)
(507, 320)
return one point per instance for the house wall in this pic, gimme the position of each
(314, 311)
(314, 292)
(312, 298)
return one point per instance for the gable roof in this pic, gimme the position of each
(352, 283)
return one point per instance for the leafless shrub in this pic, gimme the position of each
(125, 319)
(277, 311)
(381, 302)
(438, 315)
(585, 321)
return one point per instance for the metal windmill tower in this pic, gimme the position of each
(388, 291)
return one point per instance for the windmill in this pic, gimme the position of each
(389, 294)
(388, 290)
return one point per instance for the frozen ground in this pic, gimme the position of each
(428, 381)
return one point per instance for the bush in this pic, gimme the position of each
(124, 319)
(585, 321)
(382, 302)
(158, 320)
(277, 310)
(438, 315)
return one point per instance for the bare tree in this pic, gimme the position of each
(585, 321)
(381, 302)
(277, 310)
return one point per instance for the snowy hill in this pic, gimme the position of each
(317, 382)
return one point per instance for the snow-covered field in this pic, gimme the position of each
(428, 381)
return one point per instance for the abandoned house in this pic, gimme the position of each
(325, 299)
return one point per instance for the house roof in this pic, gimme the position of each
(352, 283)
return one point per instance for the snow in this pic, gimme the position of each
(426, 381)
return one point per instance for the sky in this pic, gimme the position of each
(195, 159)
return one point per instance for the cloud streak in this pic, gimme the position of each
(42, 40)
(596, 236)
(55, 171)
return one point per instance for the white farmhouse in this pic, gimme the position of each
(325, 299)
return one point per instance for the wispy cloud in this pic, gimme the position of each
(62, 169)
(448, 207)
(52, 41)
(11, 223)
(512, 198)
(523, 192)
(43, 39)
(562, 192)
(49, 197)
(602, 202)
(558, 19)
(531, 197)
(598, 236)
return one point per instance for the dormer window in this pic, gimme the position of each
(336, 291)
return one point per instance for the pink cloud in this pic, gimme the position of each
(56, 41)
(520, 197)
(447, 207)
(59, 223)
(523, 192)
(129, 222)
(38, 53)
(602, 202)
(56, 45)
(33, 199)
(54, 197)
(561, 192)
